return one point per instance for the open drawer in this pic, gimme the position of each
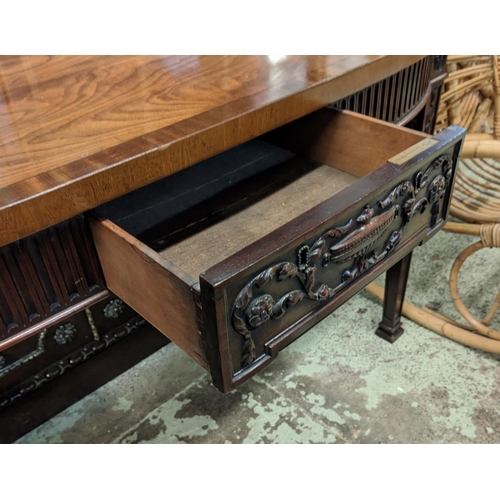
(237, 256)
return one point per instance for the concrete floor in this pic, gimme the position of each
(339, 383)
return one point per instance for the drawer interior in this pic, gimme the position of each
(208, 212)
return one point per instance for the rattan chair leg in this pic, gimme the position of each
(440, 325)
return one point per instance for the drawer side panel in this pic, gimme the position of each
(140, 277)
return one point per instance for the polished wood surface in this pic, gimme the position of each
(76, 132)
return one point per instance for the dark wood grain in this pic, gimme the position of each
(77, 132)
(46, 277)
(398, 98)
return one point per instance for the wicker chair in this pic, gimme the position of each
(471, 99)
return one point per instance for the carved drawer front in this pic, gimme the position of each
(237, 256)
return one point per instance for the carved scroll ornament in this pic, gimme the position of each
(352, 242)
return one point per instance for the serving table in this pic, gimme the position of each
(230, 201)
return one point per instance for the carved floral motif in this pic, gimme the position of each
(65, 334)
(352, 242)
(113, 308)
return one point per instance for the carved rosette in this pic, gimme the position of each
(250, 314)
(65, 334)
(352, 242)
(114, 308)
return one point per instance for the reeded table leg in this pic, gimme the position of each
(390, 327)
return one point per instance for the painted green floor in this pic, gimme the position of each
(339, 383)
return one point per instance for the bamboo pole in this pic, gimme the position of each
(467, 59)
(480, 137)
(482, 112)
(466, 72)
(468, 84)
(480, 327)
(462, 212)
(496, 89)
(462, 228)
(453, 108)
(440, 325)
(481, 149)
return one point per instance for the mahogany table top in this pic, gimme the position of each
(77, 131)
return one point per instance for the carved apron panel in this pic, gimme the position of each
(340, 255)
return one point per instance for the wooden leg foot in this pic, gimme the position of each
(388, 333)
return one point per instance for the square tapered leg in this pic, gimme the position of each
(390, 327)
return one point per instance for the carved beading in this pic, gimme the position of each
(352, 242)
(65, 364)
(40, 349)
